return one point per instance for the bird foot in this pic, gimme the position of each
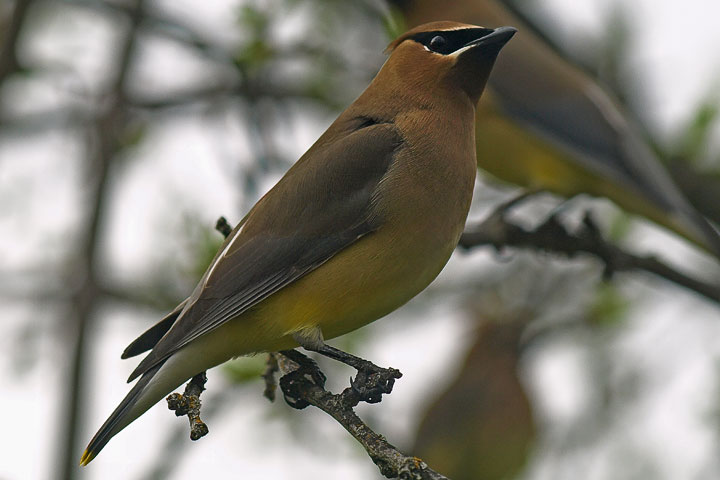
(294, 383)
(371, 382)
(369, 385)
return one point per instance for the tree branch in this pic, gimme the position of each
(188, 404)
(298, 381)
(551, 236)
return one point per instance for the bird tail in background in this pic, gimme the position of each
(702, 230)
(683, 216)
(118, 419)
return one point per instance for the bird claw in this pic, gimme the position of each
(293, 383)
(371, 382)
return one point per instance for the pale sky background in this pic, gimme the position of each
(674, 337)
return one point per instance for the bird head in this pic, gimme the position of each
(446, 55)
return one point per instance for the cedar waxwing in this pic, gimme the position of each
(362, 223)
(482, 427)
(545, 124)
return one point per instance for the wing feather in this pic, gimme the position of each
(320, 207)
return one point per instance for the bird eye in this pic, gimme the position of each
(437, 42)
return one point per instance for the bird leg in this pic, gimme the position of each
(371, 381)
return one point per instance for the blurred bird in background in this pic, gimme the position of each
(482, 427)
(545, 124)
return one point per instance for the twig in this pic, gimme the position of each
(271, 368)
(223, 226)
(189, 404)
(303, 380)
(552, 236)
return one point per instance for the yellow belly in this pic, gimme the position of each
(355, 287)
(358, 285)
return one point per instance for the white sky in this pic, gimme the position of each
(677, 53)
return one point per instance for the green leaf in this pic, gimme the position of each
(610, 306)
(694, 141)
(245, 369)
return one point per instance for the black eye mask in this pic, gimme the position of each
(449, 41)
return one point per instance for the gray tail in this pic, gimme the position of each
(705, 232)
(108, 429)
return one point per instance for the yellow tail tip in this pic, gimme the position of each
(86, 458)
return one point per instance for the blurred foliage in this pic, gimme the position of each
(692, 146)
(133, 135)
(255, 24)
(247, 369)
(610, 306)
(201, 243)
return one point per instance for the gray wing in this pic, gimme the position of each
(321, 206)
(539, 90)
(583, 120)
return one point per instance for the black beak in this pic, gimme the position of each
(498, 37)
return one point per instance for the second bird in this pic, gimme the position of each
(362, 223)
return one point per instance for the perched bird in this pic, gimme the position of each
(482, 427)
(363, 222)
(545, 124)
